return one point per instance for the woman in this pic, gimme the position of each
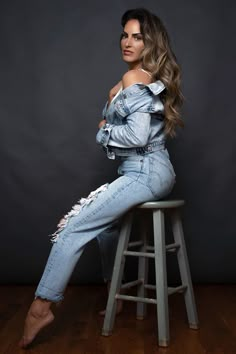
(142, 110)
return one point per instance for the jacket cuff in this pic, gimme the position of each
(103, 135)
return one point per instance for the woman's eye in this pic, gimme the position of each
(136, 38)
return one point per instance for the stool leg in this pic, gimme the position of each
(117, 274)
(161, 278)
(142, 274)
(184, 269)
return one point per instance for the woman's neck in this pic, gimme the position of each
(134, 66)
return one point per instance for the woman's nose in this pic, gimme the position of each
(128, 42)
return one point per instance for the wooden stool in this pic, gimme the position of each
(158, 252)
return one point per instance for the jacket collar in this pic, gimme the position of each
(156, 87)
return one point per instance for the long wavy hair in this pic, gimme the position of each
(159, 59)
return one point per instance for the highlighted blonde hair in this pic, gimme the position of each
(159, 59)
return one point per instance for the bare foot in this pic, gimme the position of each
(119, 305)
(36, 320)
(119, 308)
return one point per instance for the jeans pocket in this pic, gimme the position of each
(161, 177)
(162, 158)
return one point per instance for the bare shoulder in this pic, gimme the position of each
(132, 77)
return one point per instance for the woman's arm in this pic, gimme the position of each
(136, 130)
(132, 134)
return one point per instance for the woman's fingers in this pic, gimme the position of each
(102, 123)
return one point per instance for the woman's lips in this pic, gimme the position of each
(127, 52)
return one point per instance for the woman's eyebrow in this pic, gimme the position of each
(133, 34)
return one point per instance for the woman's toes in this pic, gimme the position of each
(33, 324)
(119, 308)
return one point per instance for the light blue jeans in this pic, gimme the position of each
(107, 242)
(142, 178)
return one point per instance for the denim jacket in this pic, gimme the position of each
(134, 121)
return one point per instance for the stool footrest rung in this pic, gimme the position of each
(149, 300)
(172, 247)
(177, 289)
(169, 248)
(139, 254)
(136, 299)
(135, 244)
(131, 284)
(171, 290)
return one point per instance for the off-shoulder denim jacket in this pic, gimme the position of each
(134, 120)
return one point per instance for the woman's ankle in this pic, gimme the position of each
(40, 307)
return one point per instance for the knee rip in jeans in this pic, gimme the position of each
(82, 203)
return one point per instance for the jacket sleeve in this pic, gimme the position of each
(135, 106)
(132, 134)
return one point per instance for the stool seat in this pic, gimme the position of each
(161, 204)
(157, 251)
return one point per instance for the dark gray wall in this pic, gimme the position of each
(58, 60)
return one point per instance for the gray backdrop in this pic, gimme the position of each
(58, 60)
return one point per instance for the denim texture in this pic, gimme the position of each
(134, 118)
(143, 175)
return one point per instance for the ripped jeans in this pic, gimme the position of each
(142, 178)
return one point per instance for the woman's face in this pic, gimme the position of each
(132, 44)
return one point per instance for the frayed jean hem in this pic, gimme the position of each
(48, 295)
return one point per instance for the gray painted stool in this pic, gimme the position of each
(158, 252)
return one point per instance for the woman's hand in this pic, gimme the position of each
(102, 123)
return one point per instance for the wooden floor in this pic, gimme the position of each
(77, 327)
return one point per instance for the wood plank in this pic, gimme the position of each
(77, 327)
